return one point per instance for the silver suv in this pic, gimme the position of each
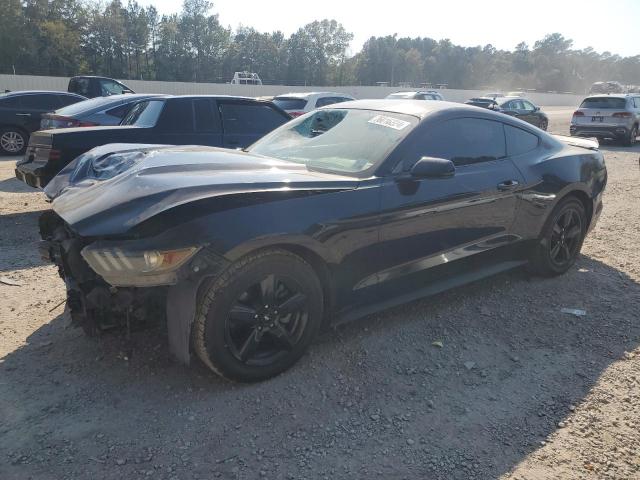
(614, 116)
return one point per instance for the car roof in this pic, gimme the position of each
(35, 92)
(416, 108)
(613, 95)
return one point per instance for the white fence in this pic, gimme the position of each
(31, 82)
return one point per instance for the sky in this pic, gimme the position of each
(605, 25)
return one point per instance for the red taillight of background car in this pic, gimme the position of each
(622, 115)
(295, 114)
(54, 154)
(578, 113)
(60, 121)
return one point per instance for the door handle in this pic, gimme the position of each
(508, 185)
(23, 114)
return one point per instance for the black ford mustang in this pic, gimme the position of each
(340, 212)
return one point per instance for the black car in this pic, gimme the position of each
(221, 121)
(93, 112)
(91, 86)
(341, 212)
(20, 114)
(524, 110)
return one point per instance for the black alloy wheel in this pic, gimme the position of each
(267, 320)
(566, 237)
(257, 319)
(544, 124)
(561, 239)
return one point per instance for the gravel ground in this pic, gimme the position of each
(518, 390)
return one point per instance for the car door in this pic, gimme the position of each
(32, 107)
(430, 222)
(244, 122)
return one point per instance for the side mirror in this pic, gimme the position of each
(536, 109)
(431, 167)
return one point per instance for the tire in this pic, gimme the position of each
(13, 141)
(544, 125)
(240, 336)
(560, 242)
(630, 141)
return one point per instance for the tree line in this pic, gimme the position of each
(128, 41)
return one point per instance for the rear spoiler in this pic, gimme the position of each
(588, 143)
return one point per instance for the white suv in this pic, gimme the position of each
(296, 104)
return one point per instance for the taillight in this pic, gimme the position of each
(295, 114)
(60, 121)
(622, 114)
(54, 154)
(578, 113)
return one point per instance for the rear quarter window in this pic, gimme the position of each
(519, 141)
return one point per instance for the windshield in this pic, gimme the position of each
(288, 103)
(144, 114)
(337, 140)
(604, 102)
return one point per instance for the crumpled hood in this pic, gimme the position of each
(165, 177)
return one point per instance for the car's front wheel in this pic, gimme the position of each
(13, 141)
(561, 239)
(544, 124)
(257, 319)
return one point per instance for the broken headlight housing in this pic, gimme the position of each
(122, 267)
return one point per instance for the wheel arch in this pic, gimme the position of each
(584, 198)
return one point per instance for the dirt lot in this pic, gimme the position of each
(518, 390)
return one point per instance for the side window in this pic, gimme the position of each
(206, 119)
(109, 87)
(40, 102)
(465, 141)
(10, 102)
(68, 100)
(80, 86)
(637, 102)
(519, 141)
(528, 106)
(249, 118)
(177, 116)
(321, 102)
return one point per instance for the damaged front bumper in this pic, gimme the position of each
(112, 284)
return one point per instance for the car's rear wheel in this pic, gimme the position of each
(258, 318)
(13, 141)
(631, 140)
(561, 239)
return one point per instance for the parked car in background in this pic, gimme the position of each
(607, 87)
(296, 104)
(93, 112)
(20, 115)
(484, 102)
(337, 214)
(524, 110)
(91, 86)
(614, 116)
(246, 78)
(416, 95)
(219, 121)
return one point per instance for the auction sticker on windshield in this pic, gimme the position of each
(389, 122)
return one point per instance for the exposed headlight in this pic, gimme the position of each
(122, 267)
